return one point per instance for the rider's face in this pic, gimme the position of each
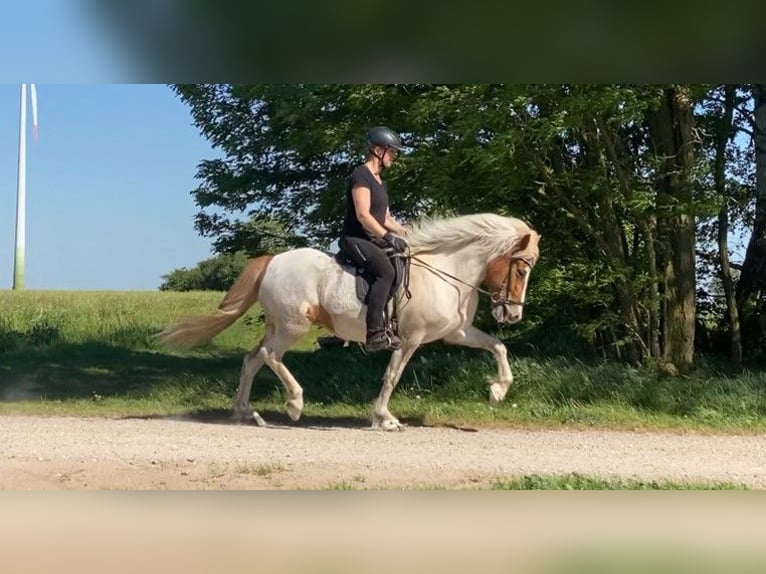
(390, 155)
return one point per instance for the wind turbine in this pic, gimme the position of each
(21, 188)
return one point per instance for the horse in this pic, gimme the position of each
(450, 259)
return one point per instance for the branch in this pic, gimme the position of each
(622, 175)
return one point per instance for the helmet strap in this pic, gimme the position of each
(380, 157)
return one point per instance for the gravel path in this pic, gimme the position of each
(91, 453)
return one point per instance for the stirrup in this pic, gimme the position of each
(382, 341)
(394, 342)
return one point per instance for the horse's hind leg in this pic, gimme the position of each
(271, 349)
(382, 417)
(284, 339)
(251, 364)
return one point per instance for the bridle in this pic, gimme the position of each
(498, 297)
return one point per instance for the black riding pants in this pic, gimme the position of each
(371, 257)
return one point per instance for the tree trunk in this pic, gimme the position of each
(671, 128)
(653, 336)
(625, 171)
(614, 241)
(723, 136)
(753, 278)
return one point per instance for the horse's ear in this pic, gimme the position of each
(523, 242)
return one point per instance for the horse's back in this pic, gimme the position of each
(304, 255)
(295, 276)
(300, 266)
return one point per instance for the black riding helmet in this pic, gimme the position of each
(384, 137)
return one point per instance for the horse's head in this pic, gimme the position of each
(508, 275)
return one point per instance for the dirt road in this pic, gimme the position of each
(89, 453)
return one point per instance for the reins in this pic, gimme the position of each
(497, 298)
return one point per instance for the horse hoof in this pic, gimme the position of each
(294, 409)
(246, 416)
(388, 425)
(496, 394)
(241, 416)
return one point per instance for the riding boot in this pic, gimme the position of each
(380, 340)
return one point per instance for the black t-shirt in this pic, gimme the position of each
(362, 176)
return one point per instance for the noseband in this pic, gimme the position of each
(499, 297)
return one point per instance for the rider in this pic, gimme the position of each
(368, 227)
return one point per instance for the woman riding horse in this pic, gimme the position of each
(368, 227)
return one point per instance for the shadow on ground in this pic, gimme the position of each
(82, 371)
(278, 419)
(65, 371)
(72, 371)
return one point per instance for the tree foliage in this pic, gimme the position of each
(627, 185)
(214, 274)
(235, 245)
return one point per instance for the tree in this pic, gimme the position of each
(616, 177)
(235, 243)
(671, 125)
(214, 274)
(723, 132)
(288, 151)
(752, 282)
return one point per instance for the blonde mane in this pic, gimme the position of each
(495, 234)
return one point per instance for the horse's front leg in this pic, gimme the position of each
(473, 337)
(382, 418)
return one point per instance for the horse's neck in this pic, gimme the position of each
(466, 264)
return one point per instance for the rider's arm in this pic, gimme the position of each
(392, 225)
(361, 197)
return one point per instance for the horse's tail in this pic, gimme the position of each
(193, 331)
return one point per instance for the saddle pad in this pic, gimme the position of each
(363, 278)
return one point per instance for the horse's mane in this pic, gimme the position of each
(495, 233)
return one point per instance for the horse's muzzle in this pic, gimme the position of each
(507, 313)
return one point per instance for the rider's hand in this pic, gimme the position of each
(397, 243)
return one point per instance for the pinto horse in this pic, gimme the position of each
(450, 260)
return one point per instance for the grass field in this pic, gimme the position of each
(92, 353)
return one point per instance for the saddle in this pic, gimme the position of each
(364, 279)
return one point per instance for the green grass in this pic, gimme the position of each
(575, 481)
(571, 481)
(91, 353)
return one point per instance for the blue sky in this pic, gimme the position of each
(108, 182)
(59, 41)
(108, 204)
